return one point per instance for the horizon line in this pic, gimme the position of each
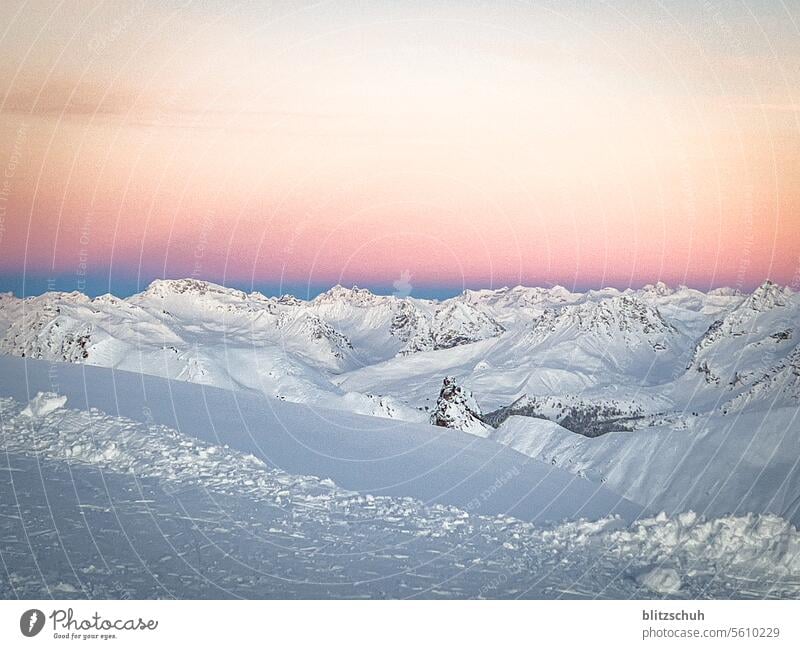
(34, 285)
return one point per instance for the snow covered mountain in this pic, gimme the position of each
(660, 351)
(750, 355)
(608, 404)
(590, 418)
(453, 324)
(200, 332)
(645, 347)
(616, 318)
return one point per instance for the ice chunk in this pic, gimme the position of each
(43, 404)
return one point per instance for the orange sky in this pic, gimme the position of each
(479, 145)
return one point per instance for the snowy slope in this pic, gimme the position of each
(715, 465)
(366, 454)
(98, 506)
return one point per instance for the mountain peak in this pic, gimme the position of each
(189, 286)
(621, 313)
(767, 296)
(659, 288)
(354, 295)
(457, 408)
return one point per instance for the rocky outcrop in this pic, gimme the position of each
(457, 408)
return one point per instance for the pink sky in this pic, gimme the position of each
(344, 143)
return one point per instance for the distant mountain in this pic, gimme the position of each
(750, 354)
(624, 318)
(591, 418)
(596, 361)
(453, 324)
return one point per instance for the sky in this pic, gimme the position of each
(290, 146)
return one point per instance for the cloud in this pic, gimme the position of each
(63, 97)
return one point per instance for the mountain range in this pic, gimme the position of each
(621, 443)
(544, 370)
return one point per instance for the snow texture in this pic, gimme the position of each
(106, 507)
